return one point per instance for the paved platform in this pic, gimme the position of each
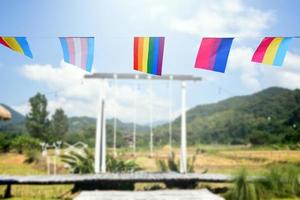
(203, 194)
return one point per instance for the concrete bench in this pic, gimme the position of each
(115, 181)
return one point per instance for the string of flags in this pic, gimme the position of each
(148, 52)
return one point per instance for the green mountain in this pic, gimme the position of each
(16, 124)
(76, 124)
(79, 123)
(239, 119)
(268, 116)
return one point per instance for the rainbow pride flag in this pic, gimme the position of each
(148, 54)
(18, 44)
(272, 50)
(78, 51)
(213, 54)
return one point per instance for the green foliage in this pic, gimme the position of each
(24, 143)
(162, 165)
(59, 125)
(15, 124)
(5, 142)
(261, 138)
(115, 165)
(191, 164)
(242, 189)
(80, 163)
(267, 117)
(84, 163)
(294, 119)
(85, 134)
(37, 122)
(172, 165)
(279, 182)
(234, 120)
(84, 128)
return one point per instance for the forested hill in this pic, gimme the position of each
(272, 102)
(79, 123)
(267, 115)
(16, 123)
(76, 124)
(16, 116)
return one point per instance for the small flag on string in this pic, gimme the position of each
(78, 51)
(213, 54)
(272, 50)
(148, 54)
(18, 44)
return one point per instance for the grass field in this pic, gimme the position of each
(221, 159)
(215, 159)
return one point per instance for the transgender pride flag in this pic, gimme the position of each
(78, 51)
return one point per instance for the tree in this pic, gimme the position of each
(37, 122)
(258, 137)
(25, 143)
(59, 125)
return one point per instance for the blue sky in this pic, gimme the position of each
(114, 24)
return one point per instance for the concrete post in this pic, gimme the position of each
(183, 150)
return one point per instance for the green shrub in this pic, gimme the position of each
(114, 165)
(282, 181)
(260, 138)
(172, 165)
(84, 163)
(80, 163)
(242, 188)
(23, 143)
(5, 143)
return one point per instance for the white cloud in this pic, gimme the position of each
(240, 59)
(289, 74)
(215, 18)
(258, 76)
(79, 97)
(21, 108)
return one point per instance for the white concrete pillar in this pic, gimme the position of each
(183, 150)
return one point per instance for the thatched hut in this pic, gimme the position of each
(4, 113)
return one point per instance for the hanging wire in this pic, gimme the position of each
(132, 36)
(222, 89)
(56, 95)
(135, 112)
(115, 118)
(170, 91)
(151, 116)
(219, 90)
(82, 81)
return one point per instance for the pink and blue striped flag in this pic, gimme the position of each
(213, 54)
(78, 51)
